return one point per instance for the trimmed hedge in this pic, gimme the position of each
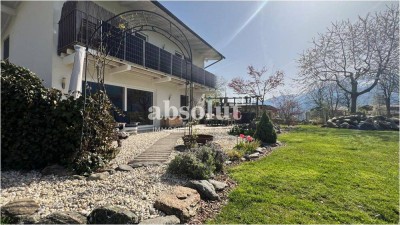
(40, 127)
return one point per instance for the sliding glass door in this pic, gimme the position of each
(138, 104)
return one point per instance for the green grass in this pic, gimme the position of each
(321, 176)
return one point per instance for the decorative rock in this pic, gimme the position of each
(344, 125)
(78, 177)
(64, 218)
(331, 124)
(20, 207)
(162, 220)
(205, 189)
(124, 168)
(112, 215)
(218, 185)
(55, 170)
(260, 150)
(254, 155)
(367, 126)
(181, 201)
(98, 176)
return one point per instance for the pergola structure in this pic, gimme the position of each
(109, 34)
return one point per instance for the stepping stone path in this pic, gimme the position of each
(158, 153)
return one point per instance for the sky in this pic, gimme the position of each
(264, 33)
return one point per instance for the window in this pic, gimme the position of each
(114, 93)
(6, 48)
(138, 104)
(141, 36)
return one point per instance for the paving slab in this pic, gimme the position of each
(158, 153)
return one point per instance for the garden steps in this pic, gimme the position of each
(158, 153)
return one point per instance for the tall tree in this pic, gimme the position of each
(389, 85)
(356, 54)
(258, 83)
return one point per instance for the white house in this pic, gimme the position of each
(149, 69)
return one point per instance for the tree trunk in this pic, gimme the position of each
(353, 97)
(387, 103)
(353, 103)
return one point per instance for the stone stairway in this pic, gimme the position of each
(158, 153)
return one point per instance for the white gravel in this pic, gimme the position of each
(134, 190)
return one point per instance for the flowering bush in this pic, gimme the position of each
(247, 144)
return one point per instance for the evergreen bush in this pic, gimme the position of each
(41, 128)
(265, 130)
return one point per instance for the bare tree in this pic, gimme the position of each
(389, 85)
(258, 83)
(356, 54)
(288, 107)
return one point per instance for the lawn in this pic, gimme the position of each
(321, 176)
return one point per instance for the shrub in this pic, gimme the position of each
(40, 128)
(234, 155)
(200, 163)
(265, 130)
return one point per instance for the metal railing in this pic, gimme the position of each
(77, 26)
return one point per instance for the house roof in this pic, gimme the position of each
(197, 43)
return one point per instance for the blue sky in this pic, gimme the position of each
(270, 33)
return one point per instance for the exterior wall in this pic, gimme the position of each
(33, 44)
(30, 33)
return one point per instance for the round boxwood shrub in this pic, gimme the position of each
(40, 127)
(265, 130)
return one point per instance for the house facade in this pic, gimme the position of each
(148, 69)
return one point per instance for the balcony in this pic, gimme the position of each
(76, 27)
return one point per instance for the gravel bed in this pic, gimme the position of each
(135, 190)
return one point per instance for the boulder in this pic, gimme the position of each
(218, 185)
(331, 124)
(353, 127)
(367, 126)
(64, 218)
(181, 201)
(124, 168)
(254, 155)
(56, 170)
(205, 189)
(260, 150)
(344, 125)
(20, 211)
(228, 162)
(20, 207)
(78, 177)
(162, 220)
(98, 176)
(112, 215)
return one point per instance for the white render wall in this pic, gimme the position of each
(30, 33)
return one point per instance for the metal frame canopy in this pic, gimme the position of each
(133, 21)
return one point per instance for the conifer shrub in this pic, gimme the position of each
(265, 130)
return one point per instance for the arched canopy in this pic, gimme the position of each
(141, 20)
